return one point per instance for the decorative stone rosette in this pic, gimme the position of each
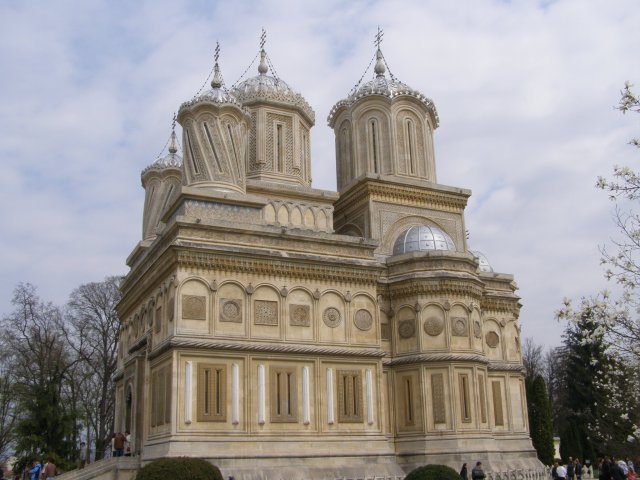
(331, 317)
(363, 320)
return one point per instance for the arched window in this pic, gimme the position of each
(410, 136)
(374, 145)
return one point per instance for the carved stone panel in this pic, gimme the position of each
(299, 315)
(170, 308)
(363, 320)
(265, 312)
(231, 310)
(437, 397)
(331, 317)
(433, 326)
(477, 329)
(194, 307)
(407, 328)
(492, 339)
(459, 327)
(385, 332)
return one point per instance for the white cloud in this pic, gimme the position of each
(524, 90)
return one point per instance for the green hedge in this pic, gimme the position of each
(181, 468)
(433, 472)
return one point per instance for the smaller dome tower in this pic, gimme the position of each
(161, 182)
(215, 131)
(279, 144)
(384, 127)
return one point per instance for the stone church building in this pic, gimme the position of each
(281, 331)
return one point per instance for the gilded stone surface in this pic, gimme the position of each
(194, 307)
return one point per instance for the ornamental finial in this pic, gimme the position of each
(217, 78)
(378, 37)
(262, 67)
(379, 69)
(172, 146)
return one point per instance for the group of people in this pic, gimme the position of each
(608, 469)
(38, 472)
(573, 470)
(611, 468)
(477, 473)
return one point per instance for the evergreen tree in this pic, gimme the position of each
(540, 424)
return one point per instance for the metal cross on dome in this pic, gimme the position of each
(263, 39)
(378, 37)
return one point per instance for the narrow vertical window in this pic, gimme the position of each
(410, 152)
(212, 393)
(350, 396)
(374, 145)
(497, 404)
(233, 144)
(279, 153)
(483, 399)
(465, 401)
(284, 394)
(213, 147)
(408, 401)
(194, 164)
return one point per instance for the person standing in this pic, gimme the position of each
(50, 470)
(570, 469)
(578, 469)
(561, 472)
(35, 470)
(118, 444)
(463, 472)
(82, 455)
(477, 473)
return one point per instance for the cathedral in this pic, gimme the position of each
(285, 332)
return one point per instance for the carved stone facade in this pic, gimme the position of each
(355, 354)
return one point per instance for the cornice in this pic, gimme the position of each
(431, 196)
(336, 270)
(436, 357)
(435, 285)
(505, 367)
(251, 347)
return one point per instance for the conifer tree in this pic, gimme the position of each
(540, 424)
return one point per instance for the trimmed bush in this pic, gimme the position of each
(180, 468)
(433, 472)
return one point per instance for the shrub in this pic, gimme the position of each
(180, 468)
(433, 472)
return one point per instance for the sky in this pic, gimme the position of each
(525, 92)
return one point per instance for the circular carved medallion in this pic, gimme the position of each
(363, 320)
(331, 317)
(459, 327)
(492, 339)
(231, 309)
(433, 326)
(407, 328)
(477, 329)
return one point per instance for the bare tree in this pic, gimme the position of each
(37, 363)
(7, 413)
(92, 329)
(532, 358)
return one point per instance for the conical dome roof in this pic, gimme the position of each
(382, 86)
(268, 88)
(171, 160)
